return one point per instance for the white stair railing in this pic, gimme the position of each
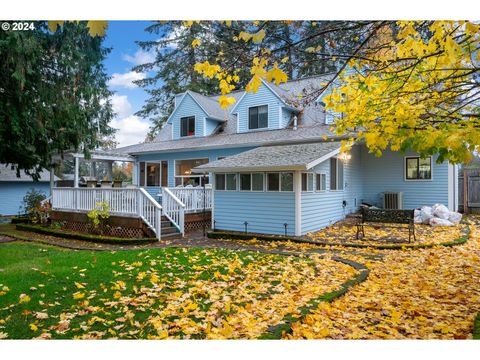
(150, 211)
(195, 199)
(173, 209)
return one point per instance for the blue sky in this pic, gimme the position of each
(128, 98)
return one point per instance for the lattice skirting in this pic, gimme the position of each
(115, 231)
(197, 224)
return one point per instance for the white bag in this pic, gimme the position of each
(426, 214)
(440, 222)
(455, 218)
(417, 217)
(441, 211)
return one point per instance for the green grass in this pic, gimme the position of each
(48, 275)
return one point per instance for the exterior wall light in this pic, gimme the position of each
(345, 156)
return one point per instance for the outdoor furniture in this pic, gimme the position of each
(106, 184)
(375, 216)
(91, 183)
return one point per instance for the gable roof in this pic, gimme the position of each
(283, 157)
(224, 140)
(7, 174)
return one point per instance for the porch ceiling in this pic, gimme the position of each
(284, 157)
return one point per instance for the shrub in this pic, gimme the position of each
(98, 217)
(36, 211)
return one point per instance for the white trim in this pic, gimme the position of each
(248, 118)
(225, 176)
(297, 187)
(316, 182)
(279, 181)
(286, 168)
(452, 187)
(194, 127)
(204, 126)
(193, 98)
(238, 102)
(405, 169)
(322, 159)
(212, 210)
(238, 122)
(313, 181)
(280, 116)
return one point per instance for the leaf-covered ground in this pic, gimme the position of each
(410, 294)
(47, 292)
(345, 232)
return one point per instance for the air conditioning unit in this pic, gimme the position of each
(393, 200)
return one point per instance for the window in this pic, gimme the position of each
(258, 117)
(187, 126)
(245, 182)
(184, 175)
(280, 181)
(418, 169)
(321, 182)
(153, 174)
(307, 182)
(257, 181)
(273, 182)
(336, 174)
(226, 182)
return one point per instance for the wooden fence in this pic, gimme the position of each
(469, 191)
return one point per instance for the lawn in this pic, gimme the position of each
(49, 292)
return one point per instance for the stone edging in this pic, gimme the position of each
(239, 236)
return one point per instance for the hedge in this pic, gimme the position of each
(85, 237)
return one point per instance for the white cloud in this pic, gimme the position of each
(121, 106)
(140, 57)
(126, 80)
(131, 130)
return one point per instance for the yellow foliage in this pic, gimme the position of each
(196, 42)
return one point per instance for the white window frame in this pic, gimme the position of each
(145, 164)
(279, 181)
(194, 126)
(317, 176)
(339, 161)
(175, 176)
(268, 118)
(405, 168)
(313, 181)
(240, 181)
(225, 176)
(251, 181)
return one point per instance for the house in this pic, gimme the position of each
(13, 188)
(271, 166)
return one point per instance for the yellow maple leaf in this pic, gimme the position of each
(33, 327)
(97, 28)
(79, 286)
(24, 298)
(78, 295)
(196, 42)
(226, 101)
(54, 24)
(259, 36)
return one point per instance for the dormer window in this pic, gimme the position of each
(187, 126)
(258, 117)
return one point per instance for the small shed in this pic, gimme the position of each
(13, 188)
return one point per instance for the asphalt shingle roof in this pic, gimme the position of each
(7, 174)
(283, 157)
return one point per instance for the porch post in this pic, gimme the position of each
(94, 169)
(52, 179)
(109, 170)
(75, 178)
(297, 185)
(135, 173)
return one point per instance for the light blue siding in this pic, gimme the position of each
(320, 209)
(265, 212)
(172, 156)
(188, 107)
(12, 193)
(264, 96)
(211, 126)
(387, 173)
(285, 117)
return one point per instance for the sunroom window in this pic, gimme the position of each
(307, 182)
(321, 182)
(336, 174)
(226, 182)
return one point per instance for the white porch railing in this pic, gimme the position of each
(121, 201)
(173, 209)
(195, 199)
